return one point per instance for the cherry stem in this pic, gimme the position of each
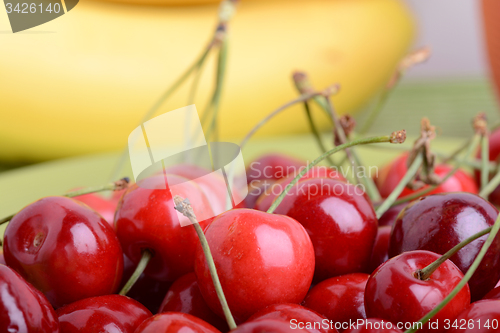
(410, 173)
(490, 187)
(141, 266)
(484, 160)
(425, 273)
(465, 279)
(184, 207)
(315, 132)
(473, 143)
(114, 186)
(395, 137)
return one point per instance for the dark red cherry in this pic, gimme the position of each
(390, 216)
(438, 222)
(297, 315)
(390, 175)
(380, 248)
(106, 206)
(185, 296)
(261, 259)
(146, 219)
(340, 299)
(481, 316)
(394, 293)
(372, 325)
(174, 322)
(65, 249)
(493, 294)
(494, 152)
(22, 307)
(146, 290)
(341, 222)
(273, 166)
(106, 314)
(269, 326)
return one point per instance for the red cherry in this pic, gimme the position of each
(390, 175)
(273, 166)
(267, 198)
(268, 325)
(65, 249)
(438, 222)
(261, 259)
(494, 152)
(146, 219)
(481, 316)
(394, 293)
(185, 296)
(373, 325)
(147, 291)
(340, 299)
(173, 322)
(493, 294)
(380, 248)
(104, 206)
(296, 315)
(255, 190)
(109, 313)
(341, 222)
(390, 216)
(22, 307)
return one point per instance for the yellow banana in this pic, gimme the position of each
(81, 83)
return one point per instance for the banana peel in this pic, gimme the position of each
(81, 83)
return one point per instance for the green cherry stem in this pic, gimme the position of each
(315, 132)
(465, 279)
(485, 159)
(395, 137)
(114, 186)
(141, 266)
(410, 173)
(184, 207)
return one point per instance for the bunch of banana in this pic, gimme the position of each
(81, 83)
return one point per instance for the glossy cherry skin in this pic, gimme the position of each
(269, 196)
(22, 307)
(269, 326)
(372, 325)
(380, 250)
(494, 152)
(109, 313)
(146, 219)
(340, 298)
(175, 322)
(261, 259)
(294, 313)
(390, 175)
(341, 222)
(103, 205)
(273, 166)
(185, 296)
(65, 249)
(493, 294)
(393, 292)
(390, 216)
(146, 290)
(438, 222)
(481, 316)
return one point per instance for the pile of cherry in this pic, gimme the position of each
(318, 263)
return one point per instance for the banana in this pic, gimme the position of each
(81, 83)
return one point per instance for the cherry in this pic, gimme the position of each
(146, 219)
(174, 322)
(340, 299)
(147, 291)
(104, 206)
(296, 315)
(261, 259)
(439, 222)
(494, 152)
(255, 190)
(109, 313)
(185, 296)
(273, 166)
(269, 325)
(480, 316)
(390, 216)
(394, 293)
(380, 248)
(390, 175)
(493, 294)
(22, 307)
(373, 325)
(341, 222)
(65, 249)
